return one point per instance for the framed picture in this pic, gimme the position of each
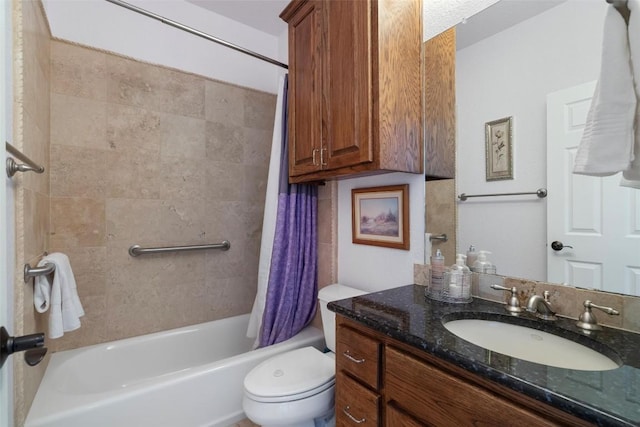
(499, 135)
(380, 216)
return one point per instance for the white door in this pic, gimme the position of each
(6, 209)
(596, 216)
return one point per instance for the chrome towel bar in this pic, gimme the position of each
(13, 167)
(136, 250)
(30, 272)
(540, 192)
(442, 237)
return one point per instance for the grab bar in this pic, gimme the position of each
(30, 272)
(136, 250)
(442, 237)
(540, 192)
(13, 167)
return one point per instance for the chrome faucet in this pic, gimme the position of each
(541, 306)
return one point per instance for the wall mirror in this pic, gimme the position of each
(537, 62)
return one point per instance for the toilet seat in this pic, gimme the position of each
(294, 375)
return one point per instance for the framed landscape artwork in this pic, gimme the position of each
(380, 216)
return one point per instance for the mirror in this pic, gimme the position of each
(509, 58)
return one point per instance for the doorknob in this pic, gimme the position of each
(558, 246)
(32, 345)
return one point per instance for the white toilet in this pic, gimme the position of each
(296, 389)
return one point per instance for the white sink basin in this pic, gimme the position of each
(530, 344)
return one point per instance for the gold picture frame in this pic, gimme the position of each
(499, 149)
(380, 216)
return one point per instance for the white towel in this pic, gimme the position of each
(631, 176)
(59, 294)
(606, 147)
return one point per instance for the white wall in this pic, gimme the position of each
(373, 268)
(104, 25)
(510, 74)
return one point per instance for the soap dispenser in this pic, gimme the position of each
(459, 285)
(483, 265)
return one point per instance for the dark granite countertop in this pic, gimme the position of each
(605, 398)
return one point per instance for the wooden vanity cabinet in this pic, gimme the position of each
(413, 388)
(355, 100)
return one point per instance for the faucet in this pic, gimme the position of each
(541, 306)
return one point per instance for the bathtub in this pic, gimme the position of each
(186, 377)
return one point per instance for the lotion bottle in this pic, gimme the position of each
(437, 271)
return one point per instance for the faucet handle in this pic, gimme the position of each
(513, 305)
(587, 319)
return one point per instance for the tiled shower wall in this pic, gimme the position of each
(143, 154)
(30, 135)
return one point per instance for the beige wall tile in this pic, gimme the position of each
(77, 222)
(156, 88)
(631, 314)
(80, 122)
(180, 179)
(78, 71)
(224, 103)
(223, 181)
(257, 146)
(36, 224)
(182, 137)
(132, 175)
(255, 183)
(78, 172)
(225, 143)
(134, 130)
(259, 110)
(35, 144)
(134, 221)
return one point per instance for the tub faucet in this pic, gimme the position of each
(541, 306)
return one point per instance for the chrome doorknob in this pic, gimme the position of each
(558, 246)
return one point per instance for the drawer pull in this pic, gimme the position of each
(353, 359)
(351, 417)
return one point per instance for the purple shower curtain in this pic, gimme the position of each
(292, 288)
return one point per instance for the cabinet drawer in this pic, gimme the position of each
(355, 404)
(358, 355)
(441, 399)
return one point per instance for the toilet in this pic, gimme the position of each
(296, 388)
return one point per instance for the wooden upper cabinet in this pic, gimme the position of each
(440, 105)
(355, 104)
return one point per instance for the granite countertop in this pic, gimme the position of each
(606, 398)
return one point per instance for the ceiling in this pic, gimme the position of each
(262, 15)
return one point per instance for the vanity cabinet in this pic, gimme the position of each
(413, 388)
(355, 100)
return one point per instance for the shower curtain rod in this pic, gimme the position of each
(197, 33)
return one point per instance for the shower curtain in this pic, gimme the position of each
(287, 277)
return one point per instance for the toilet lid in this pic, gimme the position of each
(292, 373)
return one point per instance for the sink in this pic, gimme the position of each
(530, 344)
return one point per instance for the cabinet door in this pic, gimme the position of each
(440, 399)
(355, 405)
(347, 116)
(305, 86)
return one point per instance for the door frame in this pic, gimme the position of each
(7, 236)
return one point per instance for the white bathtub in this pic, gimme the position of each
(187, 377)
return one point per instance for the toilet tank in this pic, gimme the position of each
(333, 293)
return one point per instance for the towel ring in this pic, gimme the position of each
(30, 272)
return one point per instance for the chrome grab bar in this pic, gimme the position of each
(540, 192)
(442, 237)
(136, 250)
(30, 272)
(13, 167)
